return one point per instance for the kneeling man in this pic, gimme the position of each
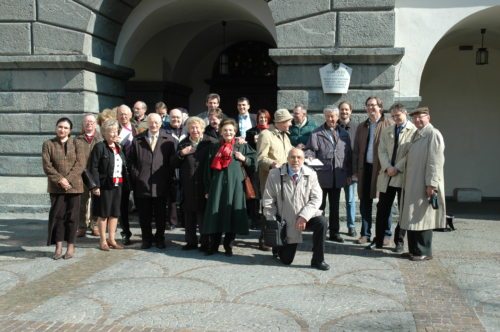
(293, 192)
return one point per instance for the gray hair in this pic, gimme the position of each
(331, 109)
(195, 120)
(109, 124)
(125, 108)
(154, 117)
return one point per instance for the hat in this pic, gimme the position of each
(282, 115)
(420, 110)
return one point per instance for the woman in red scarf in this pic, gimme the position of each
(226, 207)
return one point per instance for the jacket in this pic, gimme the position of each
(424, 167)
(102, 163)
(335, 154)
(300, 135)
(87, 147)
(302, 199)
(385, 148)
(63, 161)
(150, 172)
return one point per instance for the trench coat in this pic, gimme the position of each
(226, 204)
(424, 167)
(302, 199)
(335, 154)
(385, 148)
(359, 153)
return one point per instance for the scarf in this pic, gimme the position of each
(223, 156)
(262, 127)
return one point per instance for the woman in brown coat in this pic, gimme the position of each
(63, 163)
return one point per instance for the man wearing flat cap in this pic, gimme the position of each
(273, 146)
(423, 205)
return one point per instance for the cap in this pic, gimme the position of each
(282, 115)
(420, 110)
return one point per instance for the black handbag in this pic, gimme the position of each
(275, 230)
(88, 181)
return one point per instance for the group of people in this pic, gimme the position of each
(192, 170)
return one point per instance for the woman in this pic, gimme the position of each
(108, 168)
(192, 151)
(63, 164)
(253, 206)
(226, 208)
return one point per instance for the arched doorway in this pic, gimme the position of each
(464, 100)
(173, 45)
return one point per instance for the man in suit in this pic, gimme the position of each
(151, 178)
(244, 119)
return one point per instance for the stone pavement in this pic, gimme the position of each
(158, 290)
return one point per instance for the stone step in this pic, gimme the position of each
(21, 209)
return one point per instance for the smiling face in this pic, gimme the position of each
(421, 120)
(295, 159)
(195, 131)
(228, 132)
(331, 119)
(345, 112)
(175, 118)
(398, 116)
(89, 124)
(154, 123)
(243, 107)
(373, 109)
(262, 119)
(123, 115)
(212, 104)
(111, 134)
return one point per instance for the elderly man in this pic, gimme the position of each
(244, 119)
(293, 192)
(423, 184)
(365, 164)
(151, 176)
(394, 142)
(332, 146)
(302, 127)
(273, 145)
(127, 133)
(139, 121)
(89, 137)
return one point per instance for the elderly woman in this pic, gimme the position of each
(226, 207)
(63, 164)
(191, 152)
(107, 165)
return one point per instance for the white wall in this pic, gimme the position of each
(465, 106)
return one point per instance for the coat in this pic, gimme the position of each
(59, 163)
(102, 163)
(300, 135)
(359, 153)
(87, 147)
(336, 156)
(385, 148)
(226, 204)
(272, 146)
(191, 173)
(150, 172)
(303, 199)
(424, 167)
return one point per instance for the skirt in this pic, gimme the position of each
(108, 204)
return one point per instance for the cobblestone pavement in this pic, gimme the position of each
(158, 290)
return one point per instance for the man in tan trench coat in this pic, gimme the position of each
(424, 178)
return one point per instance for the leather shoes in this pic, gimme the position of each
(262, 246)
(420, 258)
(114, 245)
(81, 232)
(146, 245)
(320, 266)
(363, 240)
(160, 244)
(373, 246)
(68, 256)
(352, 232)
(399, 248)
(336, 238)
(228, 251)
(104, 246)
(57, 256)
(406, 255)
(189, 246)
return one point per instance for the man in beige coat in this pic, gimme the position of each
(293, 192)
(424, 178)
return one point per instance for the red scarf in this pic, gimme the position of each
(263, 126)
(224, 156)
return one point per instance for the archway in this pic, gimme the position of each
(464, 100)
(172, 45)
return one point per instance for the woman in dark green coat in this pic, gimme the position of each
(226, 208)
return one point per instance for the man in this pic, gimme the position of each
(214, 119)
(394, 142)
(162, 110)
(332, 146)
(345, 109)
(302, 127)
(244, 119)
(89, 137)
(127, 133)
(293, 192)
(139, 121)
(424, 179)
(151, 176)
(212, 103)
(365, 162)
(176, 132)
(273, 146)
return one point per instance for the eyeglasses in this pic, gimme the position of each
(420, 116)
(371, 105)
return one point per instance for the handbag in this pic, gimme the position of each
(275, 230)
(247, 183)
(88, 179)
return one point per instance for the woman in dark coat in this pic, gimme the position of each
(191, 153)
(226, 207)
(108, 168)
(253, 205)
(63, 162)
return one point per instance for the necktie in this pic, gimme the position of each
(153, 142)
(294, 178)
(396, 143)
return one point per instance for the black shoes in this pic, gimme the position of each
(228, 251)
(146, 245)
(352, 232)
(126, 238)
(399, 248)
(189, 246)
(420, 258)
(320, 266)
(373, 246)
(160, 244)
(336, 238)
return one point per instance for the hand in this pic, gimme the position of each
(275, 165)
(430, 190)
(240, 140)
(239, 156)
(392, 171)
(96, 191)
(187, 150)
(300, 224)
